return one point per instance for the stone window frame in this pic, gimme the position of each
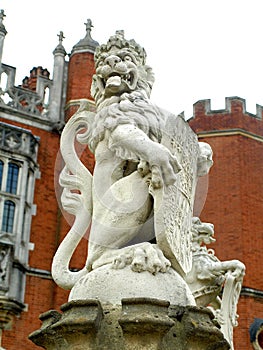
(8, 217)
(16, 198)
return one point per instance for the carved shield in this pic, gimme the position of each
(173, 204)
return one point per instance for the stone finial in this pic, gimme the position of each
(88, 25)
(2, 27)
(87, 44)
(61, 37)
(60, 48)
(120, 33)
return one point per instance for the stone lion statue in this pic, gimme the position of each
(137, 207)
(132, 163)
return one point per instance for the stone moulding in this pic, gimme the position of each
(9, 309)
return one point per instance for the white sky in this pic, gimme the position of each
(198, 49)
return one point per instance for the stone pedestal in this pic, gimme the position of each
(139, 323)
(144, 323)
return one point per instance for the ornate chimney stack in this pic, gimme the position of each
(31, 81)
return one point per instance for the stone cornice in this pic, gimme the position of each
(230, 132)
(251, 292)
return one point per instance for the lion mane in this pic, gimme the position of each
(131, 105)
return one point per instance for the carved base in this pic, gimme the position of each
(139, 323)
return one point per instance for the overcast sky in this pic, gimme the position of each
(198, 49)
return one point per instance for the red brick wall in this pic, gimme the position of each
(80, 72)
(248, 308)
(234, 202)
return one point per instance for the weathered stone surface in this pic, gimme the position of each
(140, 323)
(208, 277)
(144, 323)
(75, 329)
(194, 329)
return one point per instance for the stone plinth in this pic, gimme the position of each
(139, 323)
(194, 329)
(144, 323)
(75, 328)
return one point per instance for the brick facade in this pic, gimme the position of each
(234, 201)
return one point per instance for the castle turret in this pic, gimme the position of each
(80, 71)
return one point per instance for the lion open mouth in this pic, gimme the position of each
(119, 82)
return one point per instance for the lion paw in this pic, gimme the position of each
(143, 257)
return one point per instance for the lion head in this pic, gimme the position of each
(120, 68)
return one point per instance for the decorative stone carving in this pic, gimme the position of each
(209, 274)
(144, 180)
(143, 186)
(24, 100)
(5, 260)
(18, 140)
(174, 203)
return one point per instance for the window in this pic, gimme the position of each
(12, 178)
(10, 175)
(8, 216)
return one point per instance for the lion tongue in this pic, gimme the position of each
(113, 81)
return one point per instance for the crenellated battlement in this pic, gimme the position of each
(232, 118)
(233, 104)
